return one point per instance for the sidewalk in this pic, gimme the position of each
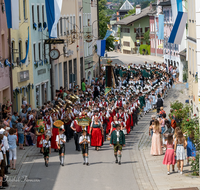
(150, 172)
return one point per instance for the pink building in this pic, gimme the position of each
(156, 44)
(5, 90)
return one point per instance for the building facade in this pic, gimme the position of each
(88, 39)
(40, 52)
(22, 75)
(132, 30)
(71, 60)
(5, 88)
(192, 58)
(172, 51)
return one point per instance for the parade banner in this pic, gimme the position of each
(101, 47)
(161, 27)
(107, 90)
(53, 11)
(178, 28)
(12, 13)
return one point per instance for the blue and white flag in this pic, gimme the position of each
(101, 47)
(178, 28)
(53, 11)
(177, 6)
(161, 27)
(25, 60)
(108, 33)
(12, 13)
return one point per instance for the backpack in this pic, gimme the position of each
(173, 123)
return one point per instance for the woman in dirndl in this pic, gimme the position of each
(113, 124)
(96, 132)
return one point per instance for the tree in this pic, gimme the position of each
(147, 36)
(103, 27)
(131, 12)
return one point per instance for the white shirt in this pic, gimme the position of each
(5, 142)
(84, 137)
(1, 156)
(46, 143)
(63, 137)
(117, 135)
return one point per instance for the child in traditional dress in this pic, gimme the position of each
(46, 149)
(84, 140)
(60, 142)
(169, 158)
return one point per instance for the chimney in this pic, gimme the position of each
(138, 9)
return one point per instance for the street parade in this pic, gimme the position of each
(106, 110)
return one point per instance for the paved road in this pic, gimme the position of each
(102, 173)
(134, 58)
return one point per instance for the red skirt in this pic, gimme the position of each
(39, 137)
(109, 125)
(55, 132)
(96, 137)
(128, 125)
(113, 129)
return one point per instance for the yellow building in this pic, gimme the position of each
(22, 75)
(191, 56)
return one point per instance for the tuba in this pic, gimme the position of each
(73, 98)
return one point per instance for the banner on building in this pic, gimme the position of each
(12, 13)
(161, 27)
(101, 47)
(108, 33)
(177, 6)
(25, 60)
(53, 10)
(178, 28)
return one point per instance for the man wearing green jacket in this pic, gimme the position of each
(118, 141)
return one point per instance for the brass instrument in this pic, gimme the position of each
(73, 98)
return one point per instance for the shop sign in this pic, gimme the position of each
(23, 76)
(41, 71)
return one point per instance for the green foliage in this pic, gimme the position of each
(145, 4)
(147, 36)
(185, 77)
(146, 47)
(195, 165)
(103, 27)
(131, 12)
(188, 124)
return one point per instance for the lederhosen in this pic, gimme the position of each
(46, 150)
(62, 148)
(84, 148)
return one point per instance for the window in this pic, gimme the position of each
(58, 29)
(43, 13)
(125, 30)
(68, 25)
(33, 19)
(71, 23)
(24, 9)
(75, 70)
(80, 23)
(13, 47)
(38, 13)
(126, 44)
(34, 53)
(146, 29)
(74, 23)
(64, 21)
(3, 46)
(167, 16)
(39, 50)
(81, 67)
(26, 45)
(70, 66)
(20, 50)
(89, 20)
(61, 29)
